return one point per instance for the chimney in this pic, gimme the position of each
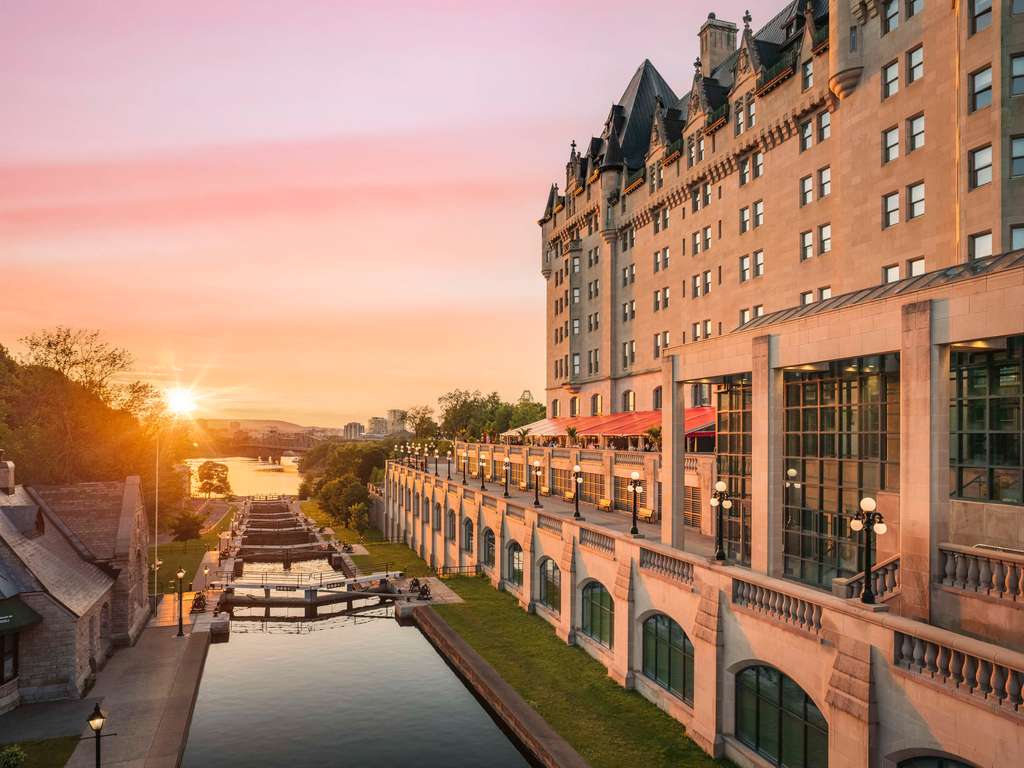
(717, 42)
(6, 475)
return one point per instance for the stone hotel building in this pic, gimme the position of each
(822, 240)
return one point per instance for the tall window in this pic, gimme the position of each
(890, 210)
(8, 657)
(1017, 156)
(980, 92)
(629, 400)
(806, 136)
(980, 166)
(514, 570)
(890, 79)
(824, 125)
(656, 398)
(550, 590)
(668, 656)
(595, 405)
(915, 200)
(985, 423)
(824, 238)
(598, 614)
(915, 133)
(733, 463)
(467, 535)
(744, 268)
(979, 245)
(489, 548)
(842, 438)
(981, 15)
(806, 245)
(807, 74)
(1017, 75)
(915, 64)
(890, 144)
(890, 15)
(777, 719)
(450, 525)
(806, 190)
(592, 489)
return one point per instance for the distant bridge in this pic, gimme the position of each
(274, 445)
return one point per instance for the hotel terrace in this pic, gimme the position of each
(808, 272)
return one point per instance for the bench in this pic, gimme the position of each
(645, 514)
(522, 487)
(569, 496)
(605, 505)
(545, 491)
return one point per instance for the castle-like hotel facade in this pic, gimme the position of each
(823, 240)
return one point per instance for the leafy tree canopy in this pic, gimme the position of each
(469, 415)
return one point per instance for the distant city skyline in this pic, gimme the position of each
(287, 208)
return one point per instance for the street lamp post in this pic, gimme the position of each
(870, 523)
(435, 462)
(536, 483)
(181, 602)
(465, 466)
(449, 457)
(637, 489)
(97, 719)
(483, 463)
(508, 470)
(720, 501)
(577, 478)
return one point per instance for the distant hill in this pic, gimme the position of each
(250, 425)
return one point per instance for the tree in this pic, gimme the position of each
(213, 478)
(80, 355)
(359, 517)
(654, 436)
(420, 420)
(187, 526)
(572, 435)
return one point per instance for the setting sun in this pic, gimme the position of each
(180, 401)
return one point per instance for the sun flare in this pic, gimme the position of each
(180, 401)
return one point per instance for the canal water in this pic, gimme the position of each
(352, 691)
(251, 477)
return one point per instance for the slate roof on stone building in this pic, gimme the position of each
(91, 510)
(627, 130)
(42, 558)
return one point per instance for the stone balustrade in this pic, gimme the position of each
(985, 672)
(885, 581)
(666, 565)
(549, 523)
(515, 511)
(984, 571)
(590, 455)
(594, 540)
(780, 606)
(560, 453)
(629, 458)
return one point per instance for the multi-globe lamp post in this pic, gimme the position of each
(449, 457)
(508, 469)
(465, 466)
(636, 489)
(483, 463)
(536, 483)
(869, 523)
(577, 478)
(720, 502)
(435, 462)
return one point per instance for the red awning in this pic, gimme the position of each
(699, 422)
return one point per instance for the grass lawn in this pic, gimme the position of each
(52, 753)
(608, 725)
(350, 535)
(188, 554)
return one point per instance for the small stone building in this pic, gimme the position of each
(72, 583)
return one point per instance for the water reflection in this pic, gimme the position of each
(251, 477)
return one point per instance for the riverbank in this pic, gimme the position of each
(606, 724)
(188, 554)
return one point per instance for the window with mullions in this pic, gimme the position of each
(933, 762)
(8, 657)
(437, 519)
(598, 614)
(515, 472)
(842, 428)
(449, 528)
(985, 424)
(467, 535)
(624, 497)
(778, 720)
(668, 656)
(488, 548)
(550, 589)
(691, 506)
(514, 569)
(592, 489)
(561, 481)
(732, 458)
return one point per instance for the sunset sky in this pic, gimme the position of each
(311, 210)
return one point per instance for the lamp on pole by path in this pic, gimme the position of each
(449, 457)
(435, 462)
(536, 483)
(508, 470)
(577, 477)
(465, 466)
(97, 719)
(791, 481)
(870, 523)
(637, 489)
(720, 501)
(483, 463)
(181, 602)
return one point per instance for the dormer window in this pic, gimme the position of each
(790, 29)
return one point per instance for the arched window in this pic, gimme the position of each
(514, 571)
(933, 762)
(450, 525)
(550, 592)
(574, 406)
(598, 613)
(777, 719)
(628, 401)
(416, 505)
(595, 405)
(467, 535)
(554, 409)
(437, 516)
(489, 547)
(668, 656)
(656, 399)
